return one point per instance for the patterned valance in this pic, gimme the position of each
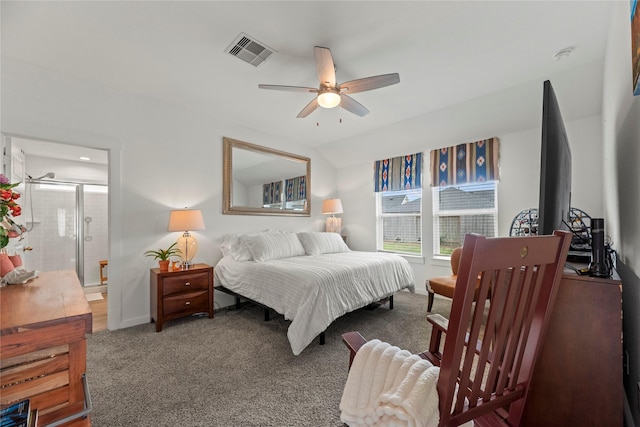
(466, 163)
(296, 188)
(271, 193)
(398, 173)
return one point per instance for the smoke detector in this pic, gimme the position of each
(562, 53)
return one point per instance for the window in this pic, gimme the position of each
(399, 221)
(462, 209)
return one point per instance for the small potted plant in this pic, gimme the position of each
(163, 255)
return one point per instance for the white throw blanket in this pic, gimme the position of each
(387, 386)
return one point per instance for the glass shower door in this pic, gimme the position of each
(51, 216)
(95, 206)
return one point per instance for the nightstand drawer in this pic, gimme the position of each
(185, 283)
(192, 302)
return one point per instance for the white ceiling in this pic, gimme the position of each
(446, 52)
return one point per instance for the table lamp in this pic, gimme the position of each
(332, 206)
(186, 220)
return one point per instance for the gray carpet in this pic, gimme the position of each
(236, 369)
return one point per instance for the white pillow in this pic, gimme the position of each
(316, 243)
(233, 245)
(265, 247)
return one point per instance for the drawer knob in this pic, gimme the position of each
(187, 303)
(187, 284)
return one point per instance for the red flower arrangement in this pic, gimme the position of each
(8, 208)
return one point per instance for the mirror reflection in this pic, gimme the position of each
(263, 181)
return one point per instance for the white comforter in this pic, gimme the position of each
(313, 291)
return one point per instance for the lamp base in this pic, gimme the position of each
(333, 225)
(187, 265)
(188, 246)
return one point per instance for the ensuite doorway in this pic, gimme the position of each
(68, 229)
(65, 205)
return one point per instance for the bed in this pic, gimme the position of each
(310, 278)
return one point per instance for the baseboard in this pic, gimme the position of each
(95, 289)
(134, 322)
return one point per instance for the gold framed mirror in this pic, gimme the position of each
(263, 181)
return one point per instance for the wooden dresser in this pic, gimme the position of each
(43, 345)
(578, 379)
(181, 293)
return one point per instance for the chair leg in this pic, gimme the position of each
(103, 263)
(430, 304)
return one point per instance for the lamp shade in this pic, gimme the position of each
(186, 220)
(332, 206)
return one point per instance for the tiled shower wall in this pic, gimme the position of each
(95, 248)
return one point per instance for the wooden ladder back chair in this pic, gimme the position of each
(491, 347)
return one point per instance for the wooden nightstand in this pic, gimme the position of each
(176, 294)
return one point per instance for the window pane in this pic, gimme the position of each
(409, 201)
(454, 228)
(402, 234)
(472, 196)
(399, 221)
(458, 210)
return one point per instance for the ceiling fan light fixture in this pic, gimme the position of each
(329, 99)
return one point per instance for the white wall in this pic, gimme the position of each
(518, 188)
(620, 133)
(240, 192)
(621, 156)
(160, 158)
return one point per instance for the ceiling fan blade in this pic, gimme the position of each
(289, 88)
(308, 109)
(370, 83)
(324, 65)
(353, 106)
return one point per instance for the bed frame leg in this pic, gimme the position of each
(237, 303)
(321, 338)
(266, 314)
(391, 302)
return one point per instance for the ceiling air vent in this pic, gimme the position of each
(249, 50)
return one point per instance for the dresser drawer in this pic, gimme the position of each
(185, 283)
(192, 302)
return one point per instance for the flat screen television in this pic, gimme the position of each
(555, 168)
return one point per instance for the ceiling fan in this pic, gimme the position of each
(329, 93)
